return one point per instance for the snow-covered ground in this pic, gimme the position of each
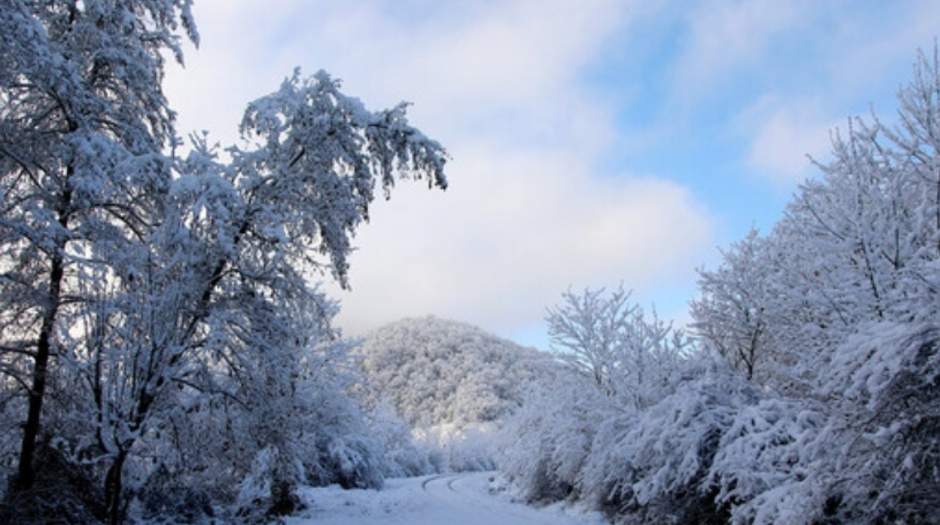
(450, 499)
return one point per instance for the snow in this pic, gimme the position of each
(454, 499)
(167, 310)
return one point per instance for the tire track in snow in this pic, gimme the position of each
(424, 484)
(479, 502)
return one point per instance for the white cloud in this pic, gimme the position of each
(724, 36)
(867, 51)
(784, 133)
(818, 63)
(515, 230)
(528, 212)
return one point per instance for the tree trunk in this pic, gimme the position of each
(113, 485)
(25, 474)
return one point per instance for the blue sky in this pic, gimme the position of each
(593, 142)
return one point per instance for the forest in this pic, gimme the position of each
(169, 354)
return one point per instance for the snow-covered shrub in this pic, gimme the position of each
(248, 450)
(352, 461)
(613, 361)
(866, 451)
(265, 491)
(652, 465)
(766, 463)
(547, 441)
(335, 443)
(11, 407)
(887, 385)
(202, 450)
(405, 455)
(469, 447)
(164, 498)
(64, 492)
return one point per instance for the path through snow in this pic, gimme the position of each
(450, 499)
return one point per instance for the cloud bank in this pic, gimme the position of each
(530, 209)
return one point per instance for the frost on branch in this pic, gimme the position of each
(320, 155)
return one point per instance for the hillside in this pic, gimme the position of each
(439, 372)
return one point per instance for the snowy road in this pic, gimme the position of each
(450, 499)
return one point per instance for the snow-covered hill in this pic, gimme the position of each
(441, 373)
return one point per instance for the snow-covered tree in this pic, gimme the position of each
(603, 336)
(612, 364)
(225, 275)
(731, 314)
(850, 309)
(833, 314)
(83, 123)
(161, 284)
